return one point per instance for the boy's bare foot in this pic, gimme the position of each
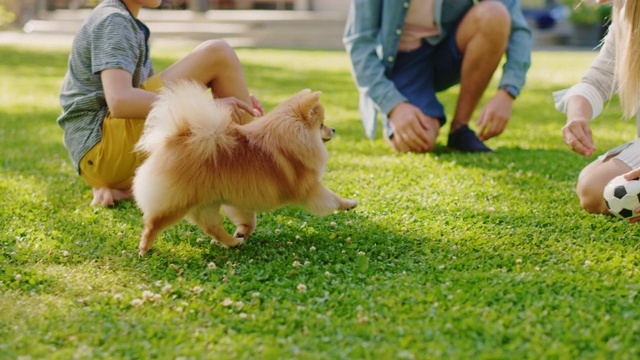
(105, 196)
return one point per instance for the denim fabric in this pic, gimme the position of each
(421, 73)
(372, 35)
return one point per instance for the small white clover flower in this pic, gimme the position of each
(65, 253)
(587, 263)
(147, 295)
(313, 248)
(327, 274)
(333, 224)
(227, 302)
(302, 288)
(166, 288)
(211, 265)
(255, 294)
(118, 297)
(239, 304)
(242, 315)
(278, 231)
(519, 261)
(361, 253)
(196, 290)
(136, 302)
(296, 264)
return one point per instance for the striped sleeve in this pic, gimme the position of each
(114, 45)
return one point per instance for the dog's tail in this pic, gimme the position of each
(185, 110)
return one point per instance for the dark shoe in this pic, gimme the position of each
(465, 140)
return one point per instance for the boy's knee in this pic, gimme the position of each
(218, 53)
(218, 48)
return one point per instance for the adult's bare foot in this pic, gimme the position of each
(105, 196)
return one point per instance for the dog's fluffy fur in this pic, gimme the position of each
(200, 160)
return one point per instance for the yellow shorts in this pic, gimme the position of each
(112, 162)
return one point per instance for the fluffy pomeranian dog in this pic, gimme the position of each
(200, 160)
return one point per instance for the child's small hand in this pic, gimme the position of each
(258, 110)
(239, 109)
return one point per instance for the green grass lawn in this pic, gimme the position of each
(448, 255)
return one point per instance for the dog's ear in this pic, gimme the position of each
(309, 100)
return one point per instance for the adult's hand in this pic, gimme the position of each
(412, 130)
(495, 115)
(631, 175)
(577, 135)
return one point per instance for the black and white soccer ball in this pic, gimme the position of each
(622, 197)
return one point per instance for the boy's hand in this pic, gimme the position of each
(239, 109)
(257, 106)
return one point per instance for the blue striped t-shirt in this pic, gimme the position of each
(111, 38)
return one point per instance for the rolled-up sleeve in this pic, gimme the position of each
(518, 53)
(365, 51)
(596, 86)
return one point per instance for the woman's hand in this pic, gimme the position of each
(577, 135)
(633, 175)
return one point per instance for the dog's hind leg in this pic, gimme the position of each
(245, 221)
(208, 218)
(322, 201)
(153, 226)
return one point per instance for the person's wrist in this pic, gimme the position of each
(577, 119)
(511, 90)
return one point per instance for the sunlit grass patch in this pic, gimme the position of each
(448, 255)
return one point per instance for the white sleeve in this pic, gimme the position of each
(597, 84)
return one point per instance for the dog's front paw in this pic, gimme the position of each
(234, 242)
(348, 204)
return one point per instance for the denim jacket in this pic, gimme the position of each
(372, 35)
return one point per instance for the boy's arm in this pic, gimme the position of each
(124, 100)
